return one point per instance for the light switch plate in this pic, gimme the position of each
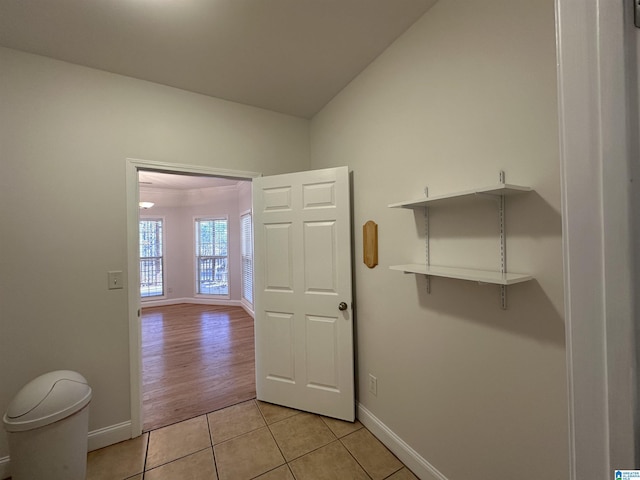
(116, 280)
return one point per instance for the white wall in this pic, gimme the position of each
(65, 132)
(244, 197)
(476, 391)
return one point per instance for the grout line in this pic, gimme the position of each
(395, 471)
(213, 452)
(324, 419)
(146, 454)
(255, 401)
(277, 445)
(297, 412)
(291, 471)
(286, 462)
(200, 415)
(314, 450)
(179, 458)
(354, 458)
(238, 436)
(241, 434)
(402, 465)
(206, 419)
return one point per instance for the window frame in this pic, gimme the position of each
(196, 256)
(160, 218)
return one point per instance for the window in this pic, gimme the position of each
(212, 272)
(247, 257)
(151, 258)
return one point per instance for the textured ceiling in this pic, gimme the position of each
(289, 56)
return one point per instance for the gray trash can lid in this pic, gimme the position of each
(47, 399)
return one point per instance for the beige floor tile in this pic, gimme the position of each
(301, 434)
(331, 462)
(340, 428)
(247, 456)
(176, 441)
(197, 466)
(119, 461)
(280, 473)
(404, 474)
(274, 413)
(233, 421)
(374, 457)
(136, 477)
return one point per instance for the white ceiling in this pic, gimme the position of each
(289, 56)
(155, 180)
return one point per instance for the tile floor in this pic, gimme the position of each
(251, 440)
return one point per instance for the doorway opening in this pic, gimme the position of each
(308, 226)
(197, 343)
(192, 324)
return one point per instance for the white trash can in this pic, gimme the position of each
(47, 424)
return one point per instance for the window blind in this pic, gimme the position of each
(247, 257)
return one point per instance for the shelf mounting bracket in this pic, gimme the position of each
(426, 239)
(503, 245)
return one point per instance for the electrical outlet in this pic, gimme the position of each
(373, 385)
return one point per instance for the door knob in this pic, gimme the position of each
(342, 306)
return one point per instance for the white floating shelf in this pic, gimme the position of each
(499, 189)
(482, 276)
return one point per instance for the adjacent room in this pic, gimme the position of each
(196, 289)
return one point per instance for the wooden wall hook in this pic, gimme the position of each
(370, 244)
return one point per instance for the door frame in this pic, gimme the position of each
(133, 261)
(598, 112)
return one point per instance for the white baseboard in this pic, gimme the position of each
(103, 437)
(4, 468)
(215, 301)
(248, 308)
(417, 464)
(195, 300)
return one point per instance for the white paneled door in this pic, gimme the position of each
(303, 315)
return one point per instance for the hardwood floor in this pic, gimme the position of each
(195, 359)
